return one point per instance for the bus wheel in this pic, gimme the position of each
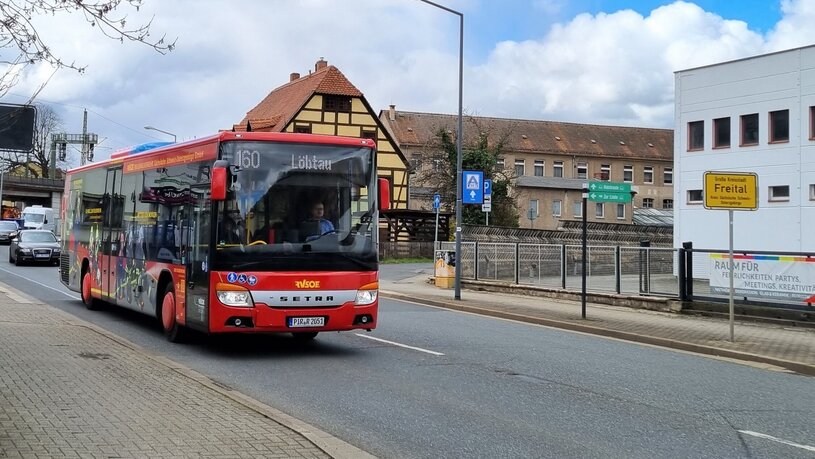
(90, 302)
(304, 336)
(172, 330)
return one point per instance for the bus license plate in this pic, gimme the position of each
(295, 322)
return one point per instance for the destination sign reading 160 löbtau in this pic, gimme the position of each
(731, 190)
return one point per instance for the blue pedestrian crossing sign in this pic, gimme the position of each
(473, 189)
(487, 187)
(436, 201)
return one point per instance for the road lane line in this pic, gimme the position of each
(779, 440)
(398, 344)
(41, 284)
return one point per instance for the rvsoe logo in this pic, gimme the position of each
(305, 283)
(310, 162)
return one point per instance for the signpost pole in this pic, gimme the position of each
(583, 262)
(488, 219)
(732, 262)
(436, 237)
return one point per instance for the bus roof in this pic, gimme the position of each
(144, 151)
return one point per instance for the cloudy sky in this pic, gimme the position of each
(585, 61)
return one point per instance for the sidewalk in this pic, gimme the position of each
(71, 389)
(769, 344)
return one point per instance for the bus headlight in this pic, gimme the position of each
(232, 295)
(367, 294)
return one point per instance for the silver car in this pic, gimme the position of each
(7, 229)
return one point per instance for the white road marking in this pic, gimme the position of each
(41, 284)
(779, 440)
(398, 344)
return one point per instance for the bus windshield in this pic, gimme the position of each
(297, 207)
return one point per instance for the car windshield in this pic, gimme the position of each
(44, 236)
(8, 226)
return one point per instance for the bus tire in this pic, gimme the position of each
(90, 302)
(304, 336)
(174, 332)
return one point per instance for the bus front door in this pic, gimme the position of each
(198, 257)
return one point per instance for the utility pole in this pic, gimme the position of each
(61, 141)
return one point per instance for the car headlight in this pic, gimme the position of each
(367, 294)
(24, 250)
(232, 295)
(56, 251)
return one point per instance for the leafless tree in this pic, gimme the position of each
(21, 45)
(36, 163)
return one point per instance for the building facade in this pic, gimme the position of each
(325, 102)
(549, 161)
(752, 115)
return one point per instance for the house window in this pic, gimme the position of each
(647, 203)
(605, 172)
(499, 164)
(302, 128)
(557, 169)
(696, 135)
(721, 133)
(779, 193)
(749, 129)
(812, 192)
(519, 167)
(694, 196)
(780, 126)
(582, 170)
(648, 174)
(577, 209)
(438, 164)
(812, 123)
(556, 205)
(667, 203)
(538, 168)
(416, 162)
(620, 211)
(332, 103)
(668, 176)
(366, 134)
(628, 173)
(533, 209)
(600, 210)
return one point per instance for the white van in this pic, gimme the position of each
(39, 217)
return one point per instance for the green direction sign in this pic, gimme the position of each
(609, 197)
(612, 187)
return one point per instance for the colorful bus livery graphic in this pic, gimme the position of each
(764, 276)
(214, 234)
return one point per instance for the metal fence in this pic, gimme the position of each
(619, 269)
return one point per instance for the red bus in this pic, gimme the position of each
(214, 234)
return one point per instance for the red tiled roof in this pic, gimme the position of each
(275, 111)
(419, 129)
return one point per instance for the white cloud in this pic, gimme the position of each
(614, 67)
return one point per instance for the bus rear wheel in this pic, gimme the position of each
(174, 332)
(90, 302)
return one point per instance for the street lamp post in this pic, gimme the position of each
(151, 128)
(459, 135)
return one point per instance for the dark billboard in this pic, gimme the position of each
(17, 127)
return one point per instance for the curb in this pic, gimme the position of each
(797, 367)
(328, 443)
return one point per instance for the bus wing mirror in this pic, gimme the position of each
(384, 194)
(219, 181)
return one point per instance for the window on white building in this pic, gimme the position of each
(556, 207)
(812, 192)
(696, 135)
(577, 209)
(582, 170)
(539, 168)
(749, 129)
(779, 193)
(812, 123)
(721, 133)
(533, 209)
(620, 211)
(694, 196)
(628, 173)
(600, 210)
(557, 169)
(780, 126)
(648, 174)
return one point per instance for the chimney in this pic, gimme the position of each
(321, 64)
(392, 112)
(294, 76)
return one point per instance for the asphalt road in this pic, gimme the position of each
(449, 384)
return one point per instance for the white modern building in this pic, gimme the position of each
(749, 115)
